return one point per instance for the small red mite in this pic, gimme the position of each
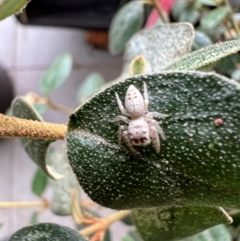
(218, 121)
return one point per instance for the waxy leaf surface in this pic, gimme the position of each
(199, 162)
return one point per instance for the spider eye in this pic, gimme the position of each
(142, 140)
(136, 141)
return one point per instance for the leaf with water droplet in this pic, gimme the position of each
(127, 21)
(174, 223)
(47, 232)
(186, 171)
(10, 7)
(205, 56)
(36, 149)
(61, 201)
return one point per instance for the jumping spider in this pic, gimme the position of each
(142, 128)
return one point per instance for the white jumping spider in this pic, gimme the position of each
(142, 129)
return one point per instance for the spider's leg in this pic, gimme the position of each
(120, 105)
(120, 118)
(158, 128)
(145, 96)
(155, 138)
(128, 142)
(121, 129)
(156, 114)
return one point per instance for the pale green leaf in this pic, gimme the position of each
(90, 86)
(178, 8)
(56, 74)
(10, 7)
(36, 149)
(40, 108)
(34, 218)
(201, 40)
(47, 232)
(198, 163)
(189, 14)
(61, 200)
(214, 17)
(206, 56)
(211, 3)
(217, 233)
(236, 75)
(40, 182)
(138, 65)
(174, 223)
(127, 21)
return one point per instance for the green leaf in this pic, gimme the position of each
(201, 40)
(217, 233)
(189, 14)
(214, 17)
(198, 163)
(56, 74)
(210, 3)
(34, 218)
(127, 21)
(138, 65)
(206, 56)
(90, 86)
(154, 44)
(61, 200)
(36, 149)
(236, 75)
(174, 223)
(128, 220)
(40, 108)
(10, 7)
(178, 8)
(40, 182)
(47, 232)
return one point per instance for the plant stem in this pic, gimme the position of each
(104, 223)
(38, 204)
(16, 127)
(160, 11)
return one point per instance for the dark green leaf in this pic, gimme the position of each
(56, 74)
(90, 86)
(174, 223)
(127, 21)
(201, 40)
(61, 201)
(10, 7)
(217, 233)
(154, 44)
(34, 218)
(214, 17)
(198, 163)
(206, 56)
(47, 232)
(40, 182)
(189, 14)
(128, 220)
(228, 64)
(36, 149)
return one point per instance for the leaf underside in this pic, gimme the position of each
(174, 223)
(199, 161)
(36, 149)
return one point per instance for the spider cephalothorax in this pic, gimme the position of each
(142, 129)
